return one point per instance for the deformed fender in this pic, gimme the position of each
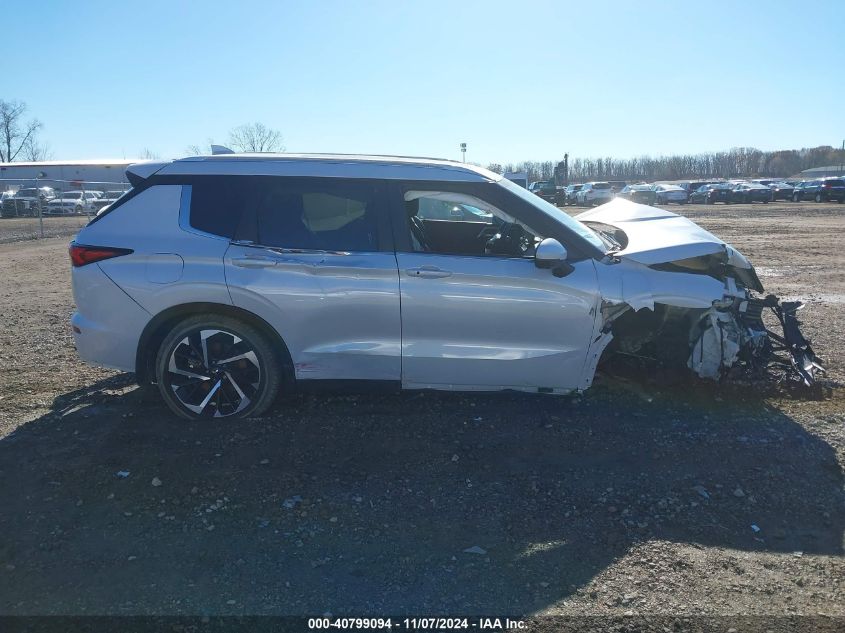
(628, 285)
(641, 287)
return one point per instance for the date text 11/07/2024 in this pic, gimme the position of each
(421, 623)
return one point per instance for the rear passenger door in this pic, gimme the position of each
(314, 258)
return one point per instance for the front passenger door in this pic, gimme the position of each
(481, 315)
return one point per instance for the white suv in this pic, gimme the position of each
(226, 278)
(73, 202)
(594, 193)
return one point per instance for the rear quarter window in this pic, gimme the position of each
(217, 204)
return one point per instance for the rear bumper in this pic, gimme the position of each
(108, 323)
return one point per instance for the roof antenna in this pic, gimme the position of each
(220, 149)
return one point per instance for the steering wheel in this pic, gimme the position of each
(509, 239)
(487, 232)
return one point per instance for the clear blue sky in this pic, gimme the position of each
(515, 80)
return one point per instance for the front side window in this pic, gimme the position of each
(452, 223)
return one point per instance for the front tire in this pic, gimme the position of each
(217, 367)
(818, 197)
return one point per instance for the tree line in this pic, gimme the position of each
(737, 162)
(19, 141)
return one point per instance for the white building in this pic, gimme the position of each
(103, 175)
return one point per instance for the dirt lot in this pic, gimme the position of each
(634, 497)
(18, 229)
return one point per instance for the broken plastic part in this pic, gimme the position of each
(801, 356)
(726, 334)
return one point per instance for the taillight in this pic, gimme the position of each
(81, 255)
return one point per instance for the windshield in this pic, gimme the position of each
(27, 193)
(72, 195)
(556, 214)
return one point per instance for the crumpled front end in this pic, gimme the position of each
(675, 293)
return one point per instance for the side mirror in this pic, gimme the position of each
(552, 254)
(549, 253)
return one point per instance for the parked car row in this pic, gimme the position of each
(697, 192)
(28, 201)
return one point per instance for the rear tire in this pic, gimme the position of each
(217, 366)
(796, 197)
(818, 197)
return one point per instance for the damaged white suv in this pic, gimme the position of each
(226, 278)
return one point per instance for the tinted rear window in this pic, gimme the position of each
(601, 185)
(308, 214)
(836, 183)
(317, 214)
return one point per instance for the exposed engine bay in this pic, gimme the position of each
(685, 298)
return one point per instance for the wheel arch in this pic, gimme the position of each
(158, 327)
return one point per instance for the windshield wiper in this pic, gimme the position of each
(609, 239)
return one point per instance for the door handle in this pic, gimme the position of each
(254, 262)
(428, 272)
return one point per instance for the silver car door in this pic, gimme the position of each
(317, 269)
(471, 320)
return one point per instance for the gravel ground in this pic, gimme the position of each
(18, 229)
(635, 497)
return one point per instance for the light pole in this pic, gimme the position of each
(40, 174)
(464, 152)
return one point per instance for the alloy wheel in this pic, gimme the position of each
(213, 373)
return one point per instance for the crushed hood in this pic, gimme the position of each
(654, 236)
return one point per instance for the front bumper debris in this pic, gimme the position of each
(733, 334)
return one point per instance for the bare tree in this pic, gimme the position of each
(15, 134)
(256, 137)
(34, 151)
(148, 154)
